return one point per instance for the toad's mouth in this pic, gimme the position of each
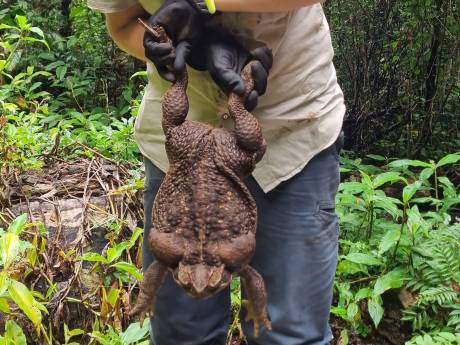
(201, 280)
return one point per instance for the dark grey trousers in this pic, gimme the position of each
(297, 243)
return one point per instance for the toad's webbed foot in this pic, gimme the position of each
(256, 305)
(153, 279)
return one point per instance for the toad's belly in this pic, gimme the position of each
(203, 203)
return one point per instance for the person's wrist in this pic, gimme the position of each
(211, 6)
(205, 7)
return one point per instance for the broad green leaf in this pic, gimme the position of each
(449, 336)
(4, 281)
(17, 226)
(33, 39)
(22, 22)
(92, 257)
(116, 251)
(60, 72)
(129, 268)
(112, 297)
(352, 187)
(135, 236)
(366, 179)
(408, 162)
(21, 295)
(381, 179)
(376, 157)
(449, 159)
(343, 339)
(41, 73)
(364, 259)
(102, 338)
(391, 280)
(388, 240)
(32, 256)
(426, 173)
(427, 200)
(362, 294)
(449, 189)
(410, 190)
(4, 306)
(346, 267)
(352, 311)
(14, 333)
(74, 333)
(414, 219)
(9, 248)
(38, 31)
(388, 204)
(135, 332)
(375, 309)
(4, 26)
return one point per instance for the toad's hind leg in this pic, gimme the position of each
(153, 280)
(256, 304)
(247, 129)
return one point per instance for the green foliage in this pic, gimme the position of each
(406, 240)
(133, 335)
(52, 101)
(438, 277)
(19, 256)
(437, 338)
(12, 256)
(13, 334)
(110, 264)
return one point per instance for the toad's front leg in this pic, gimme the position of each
(153, 280)
(254, 285)
(175, 101)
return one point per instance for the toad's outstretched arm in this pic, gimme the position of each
(175, 102)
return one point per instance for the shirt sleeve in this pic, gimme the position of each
(111, 6)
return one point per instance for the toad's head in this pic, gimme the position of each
(201, 279)
(202, 269)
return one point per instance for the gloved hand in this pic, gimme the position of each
(224, 58)
(183, 21)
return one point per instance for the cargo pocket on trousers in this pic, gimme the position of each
(325, 213)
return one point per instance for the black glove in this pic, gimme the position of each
(183, 21)
(224, 58)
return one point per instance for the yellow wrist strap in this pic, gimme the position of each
(211, 5)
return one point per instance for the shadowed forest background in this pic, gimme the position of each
(71, 176)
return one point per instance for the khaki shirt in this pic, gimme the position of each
(302, 111)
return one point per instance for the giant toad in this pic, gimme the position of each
(204, 218)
